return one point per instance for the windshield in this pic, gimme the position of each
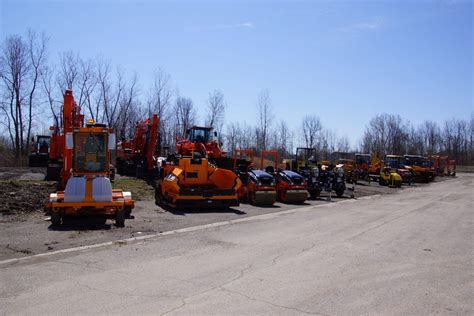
(199, 135)
(43, 143)
(361, 159)
(393, 162)
(90, 152)
(416, 161)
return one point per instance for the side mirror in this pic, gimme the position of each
(112, 142)
(69, 141)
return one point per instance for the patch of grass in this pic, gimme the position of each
(141, 190)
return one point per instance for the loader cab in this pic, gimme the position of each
(90, 152)
(200, 134)
(42, 144)
(393, 161)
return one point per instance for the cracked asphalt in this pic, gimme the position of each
(404, 253)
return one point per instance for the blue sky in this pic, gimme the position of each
(344, 61)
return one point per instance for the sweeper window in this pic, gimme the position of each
(90, 152)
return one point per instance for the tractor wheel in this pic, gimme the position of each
(158, 196)
(120, 218)
(339, 192)
(55, 219)
(128, 212)
(251, 197)
(382, 181)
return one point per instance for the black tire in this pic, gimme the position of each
(339, 192)
(120, 218)
(128, 212)
(158, 196)
(382, 181)
(55, 219)
(251, 198)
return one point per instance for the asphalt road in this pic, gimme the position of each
(30, 234)
(408, 253)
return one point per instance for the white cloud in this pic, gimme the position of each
(373, 24)
(243, 25)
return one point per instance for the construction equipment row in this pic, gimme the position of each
(83, 159)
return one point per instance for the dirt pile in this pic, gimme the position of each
(24, 196)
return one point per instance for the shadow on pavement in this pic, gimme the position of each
(183, 212)
(81, 224)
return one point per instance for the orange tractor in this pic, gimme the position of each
(40, 152)
(139, 156)
(85, 173)
(258, 186)
(204, 141)
(291, 187)
(420, 167)
(451, 167)
(438, 164)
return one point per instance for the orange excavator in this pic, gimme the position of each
(138, 157)
(258, 186)
(58, 169)
(291, 187)
(204, 141)
(85, 171)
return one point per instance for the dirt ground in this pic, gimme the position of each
(25, 229)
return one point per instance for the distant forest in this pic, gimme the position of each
(33, 82)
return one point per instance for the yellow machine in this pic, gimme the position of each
(421, 168)
(390, 177)
(350, 169)
(88, 190)
(193, 182)
(385, 173)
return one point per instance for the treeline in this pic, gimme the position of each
(391, 134)
(33, 82)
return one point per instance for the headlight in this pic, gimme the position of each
(259, 183)
(273, 183)
(316, 172)
(171, 177)
(340, 172)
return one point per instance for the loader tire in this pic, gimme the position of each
(55, 219)
(120, 218)
(251, 198)
(339, 192)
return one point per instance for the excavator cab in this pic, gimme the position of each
(40, 152)
(200, 134)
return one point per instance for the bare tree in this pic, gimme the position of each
(311, 126)
(159, 102)
(265, 116)
(68, 70)
(185, 115)
(37, 55)
(343, 144)
(110, 92)
(20, 63)
(216, 110)
(128, 104)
